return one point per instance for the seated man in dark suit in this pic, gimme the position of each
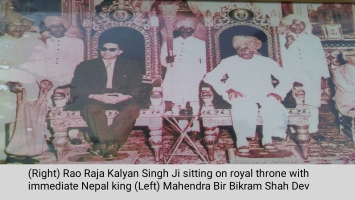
(109, 82)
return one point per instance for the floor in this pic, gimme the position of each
(335, 149)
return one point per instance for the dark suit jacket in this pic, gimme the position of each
(90, 77)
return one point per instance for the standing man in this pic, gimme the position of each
(109, 82)
(186, 68)
(249, 84)
(304, 60)
(57, 59)
(16, 46)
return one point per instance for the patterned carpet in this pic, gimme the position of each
(335, 149)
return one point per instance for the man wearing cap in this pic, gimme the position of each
(186, 68)
(344, 80)
(249, 84)
(110, 82)
(16, 46)
(304, 60)
(64, 50)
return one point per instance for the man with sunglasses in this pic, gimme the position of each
(248, 85)
(110, 82)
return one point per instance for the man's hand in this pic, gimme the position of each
(44, 36)
(289, 40)
(232, 94)
(276, 96)
(170, 59)
(110, 98)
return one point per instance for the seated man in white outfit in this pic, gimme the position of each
(248, 85)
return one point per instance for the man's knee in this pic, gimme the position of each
(132, 110)
(91, 108)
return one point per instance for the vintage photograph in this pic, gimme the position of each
(176, 82)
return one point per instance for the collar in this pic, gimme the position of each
(107, 63)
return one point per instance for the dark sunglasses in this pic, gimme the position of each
(110, 49)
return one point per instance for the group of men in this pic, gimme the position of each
(28, 57)
(113, 82)
(249, 85)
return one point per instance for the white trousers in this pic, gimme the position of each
(245, 113)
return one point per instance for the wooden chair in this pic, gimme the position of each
(138, 28)
(216, 112)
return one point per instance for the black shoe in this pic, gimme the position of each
(111, 151)
(317, 136)
(29, 160)
(21, 160)
(278, 139)
(98, 149)
(75, 141)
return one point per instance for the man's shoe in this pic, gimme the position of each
(278, 139)
(98, 149)
(111, 151)
(75, 141)
(317, 136)
(243, 151)
(270, 147)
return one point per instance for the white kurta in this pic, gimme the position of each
(57, 60)
(344, 80)
(252, 78)
(182, 79)
(13, 53)
(305, 62)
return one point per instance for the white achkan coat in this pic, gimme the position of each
(305, 62)
(252, 78)
(183, 77)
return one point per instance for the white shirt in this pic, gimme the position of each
(251, 77)
(304, 57)
(15, 51)
(187, 70)
(57, 60)
(110, 66)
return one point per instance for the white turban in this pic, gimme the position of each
(188, 22)
(250, 41)
(72, 31)
(55, 20)
(289, 19)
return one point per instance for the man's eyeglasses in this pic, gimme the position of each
(110, 49)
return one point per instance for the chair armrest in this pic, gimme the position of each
(61, 96)
(207, 96)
